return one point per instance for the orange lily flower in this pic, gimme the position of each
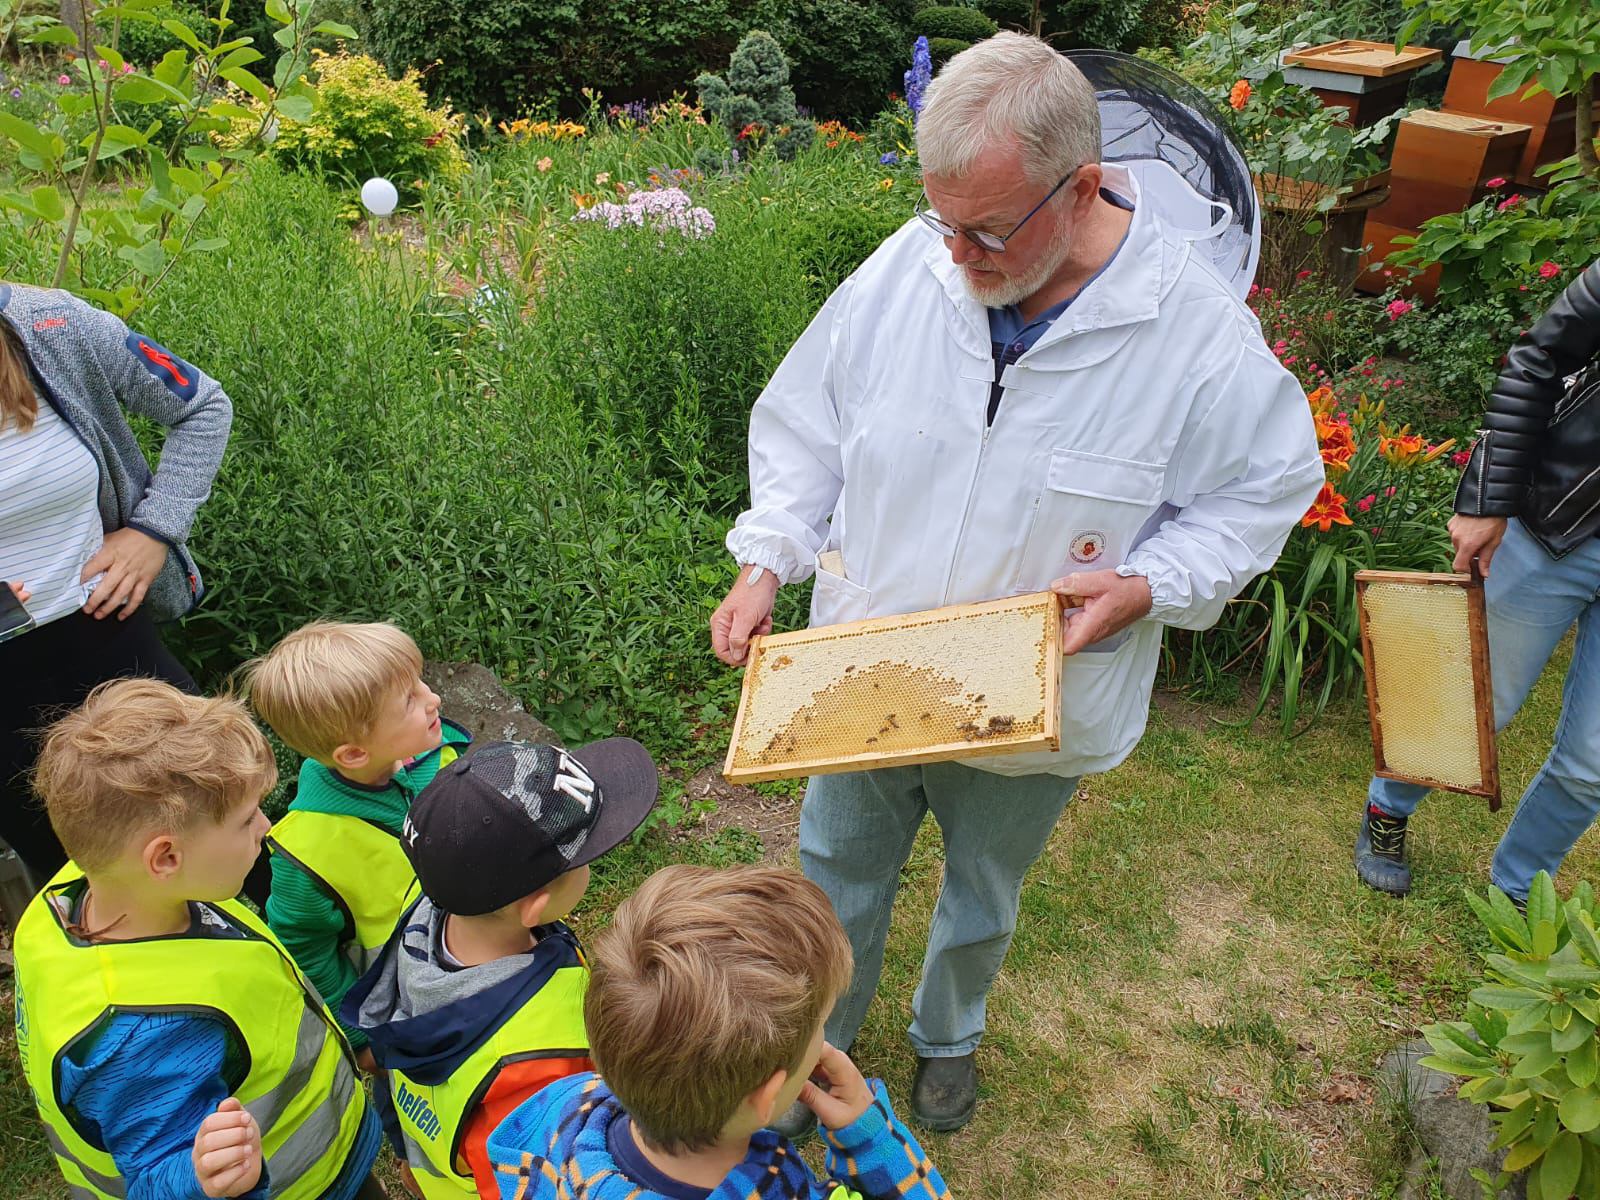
(1326, 511)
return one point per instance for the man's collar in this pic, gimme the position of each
(1128, 289)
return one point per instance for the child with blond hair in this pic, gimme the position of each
(706, 1002)
(172, 1046)
(350, 698)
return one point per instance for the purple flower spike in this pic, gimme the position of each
(918, 77)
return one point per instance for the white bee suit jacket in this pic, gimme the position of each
(1149, 429)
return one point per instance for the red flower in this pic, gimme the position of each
(1548, 270)
(1366, 502)
(1239, 94)
(1326, 511)
(1509, 202)
(1497, 182)
(1304, 275)
(1398, 309)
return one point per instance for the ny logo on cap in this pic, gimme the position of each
(572, 780)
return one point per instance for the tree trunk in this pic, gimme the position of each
(1583, 126)
(78, 15)
(1035, 23)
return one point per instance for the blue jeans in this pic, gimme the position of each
(1532, 601)
(856, 831)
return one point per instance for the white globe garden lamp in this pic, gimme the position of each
(379, 196)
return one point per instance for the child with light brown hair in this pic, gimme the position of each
(172, 1046)
(705, 1008)
(350, 698)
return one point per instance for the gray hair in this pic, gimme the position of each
(1009, 88)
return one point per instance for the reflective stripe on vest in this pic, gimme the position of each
(358, 865)
(433, 1120)
(298, 1080)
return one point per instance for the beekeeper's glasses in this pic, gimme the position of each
(994, 243)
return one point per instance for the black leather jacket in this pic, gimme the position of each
(1539, 457)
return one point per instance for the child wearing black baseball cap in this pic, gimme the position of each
(476, 1002)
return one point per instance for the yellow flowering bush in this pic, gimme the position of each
(367, 124)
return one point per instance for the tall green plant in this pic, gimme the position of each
(172, 172)
(1528, 1047)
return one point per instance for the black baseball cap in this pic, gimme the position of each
(509, 817)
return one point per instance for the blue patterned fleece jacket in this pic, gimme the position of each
(554, 1147)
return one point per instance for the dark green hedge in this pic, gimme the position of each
(957, 24)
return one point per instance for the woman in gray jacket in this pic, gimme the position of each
(91, 540)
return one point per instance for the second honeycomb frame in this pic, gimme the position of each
(1488, 783)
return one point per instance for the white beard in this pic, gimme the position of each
(999, 291)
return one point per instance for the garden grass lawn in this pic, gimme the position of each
(1199, 990)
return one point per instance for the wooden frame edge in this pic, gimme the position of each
(911, 758)
(1483, 688)
(744, 703)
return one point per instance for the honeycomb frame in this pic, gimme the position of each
(960, 682)
(1430, 698)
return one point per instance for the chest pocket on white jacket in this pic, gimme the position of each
(1087, 515)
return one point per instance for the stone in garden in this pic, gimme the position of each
(1457, 1132)
(472, 696)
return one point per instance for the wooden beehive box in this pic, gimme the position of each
(948, 683)
(1354, 57)
(1456, 150)
(1441, 163)
(1424, 639)
(1552, 120)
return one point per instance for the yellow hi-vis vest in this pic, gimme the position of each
(359, 865)
(300, 1081)
(433, 1119)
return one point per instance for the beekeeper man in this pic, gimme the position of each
(1038, 383)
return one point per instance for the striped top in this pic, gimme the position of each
(49, 513)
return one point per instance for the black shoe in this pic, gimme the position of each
(944, 1092)
(1381, 852)
(797, 1122)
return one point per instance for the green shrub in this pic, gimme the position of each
(514, 56)
(846, 56)
(145, 41)
(367, 124)
(961, 24)
(755, 103)
(941, 50)
(1500, 246)
(834, 243)
(1528, 1047)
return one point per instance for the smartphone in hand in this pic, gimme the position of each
(14, 617)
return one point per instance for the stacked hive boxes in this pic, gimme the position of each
(1443, 160)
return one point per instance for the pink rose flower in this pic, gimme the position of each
(1496, 182)
(64, 80)
(1511, 201)
(1366, 502)
(1548, 270)
(1398, 309)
